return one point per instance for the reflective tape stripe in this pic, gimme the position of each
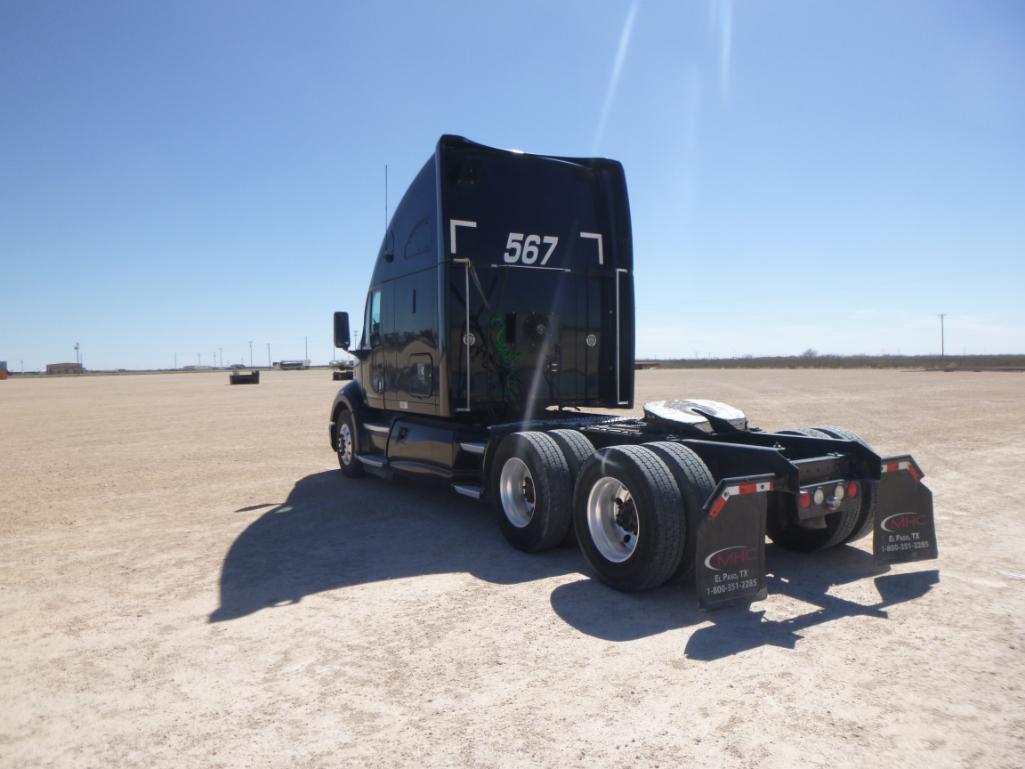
(752, 488)
(740, 490)
(720, 503)
(893, 467)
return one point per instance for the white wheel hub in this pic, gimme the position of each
(516, 492)
(345, 443)
(612, 519)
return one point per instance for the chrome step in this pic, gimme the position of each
(468, 490)
(472, 447)
(372, 460)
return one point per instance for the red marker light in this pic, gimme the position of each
(853, 489)
(804, 500)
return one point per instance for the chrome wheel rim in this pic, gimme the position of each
(345, 444)
(517, 493)
(612, 519)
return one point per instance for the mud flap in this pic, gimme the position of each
(904, 526)
(730, 554)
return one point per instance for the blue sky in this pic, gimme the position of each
(185, 177)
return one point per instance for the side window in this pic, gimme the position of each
(419, 241)
(372, 321)
(375, 318)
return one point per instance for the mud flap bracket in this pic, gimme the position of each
(730, 553)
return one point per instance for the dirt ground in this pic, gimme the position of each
(187, 580)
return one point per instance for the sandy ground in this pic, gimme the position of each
(186, 580)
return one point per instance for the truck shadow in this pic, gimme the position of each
(593, 608)
(332, 533)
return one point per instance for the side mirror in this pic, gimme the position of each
(342, 330)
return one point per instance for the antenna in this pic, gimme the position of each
(385, 196)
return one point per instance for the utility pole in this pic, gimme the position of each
(941, 316)
(220, 353)
(268, 355)
(78, 356)
(250, 353)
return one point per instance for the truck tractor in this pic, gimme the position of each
(500, 305)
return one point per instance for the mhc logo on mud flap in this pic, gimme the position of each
(902, 522)
(730, 557)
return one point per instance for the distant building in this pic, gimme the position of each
(3, 369)
(65, 368)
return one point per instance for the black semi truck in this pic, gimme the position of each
(501, 304)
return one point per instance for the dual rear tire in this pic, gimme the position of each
(634, 509)
(839, 528)
(533, 490)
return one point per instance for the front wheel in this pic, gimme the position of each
(345, 444)
(626, 510)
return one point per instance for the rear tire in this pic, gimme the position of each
(626, 510)
(696, 485)
(533, 491)
(576, 449)
(868, 498)
(345, 444)
(783, 529)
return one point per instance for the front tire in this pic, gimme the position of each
(533, 491)
(345, 444)
(626, 510)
